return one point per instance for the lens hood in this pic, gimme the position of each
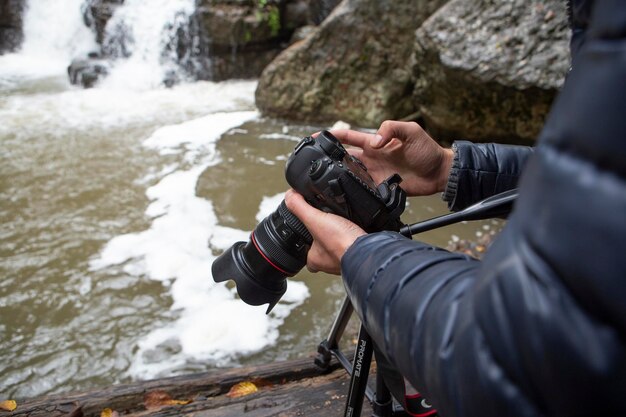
(230, 265)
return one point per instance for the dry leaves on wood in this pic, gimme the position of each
(107, 412)
(8, 405)
(157, 399)
(242, 389)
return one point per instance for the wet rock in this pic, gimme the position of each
(238, 39)
(320, 9)
(87, 71)
(97, 13)
(302, 33)
(355, 67)
(234, 39)
(11, 16)
(489, 69)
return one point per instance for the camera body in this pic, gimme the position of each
(331, 180)
(334, 181)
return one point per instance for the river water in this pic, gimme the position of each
(114, 201)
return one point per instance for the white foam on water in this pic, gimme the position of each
(269, 205)
(213, 324)
(281, 136)
(54, 113)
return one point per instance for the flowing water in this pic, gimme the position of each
(114, 201)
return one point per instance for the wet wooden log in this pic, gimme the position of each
(291, 388)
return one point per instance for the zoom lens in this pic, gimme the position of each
(277, 249)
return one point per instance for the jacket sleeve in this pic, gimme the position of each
(482, 170)
(538, 328)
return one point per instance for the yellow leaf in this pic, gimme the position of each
(8, 405)
(241, 389)
(154, 400)
(107, 412)
(177, 402)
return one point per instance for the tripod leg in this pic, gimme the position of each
(326, 347)
(382, 405)
(360, 373)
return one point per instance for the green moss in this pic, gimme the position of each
(273, 20)
(270, 14)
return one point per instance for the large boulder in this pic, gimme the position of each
(354, 67)
(234, 39)
(11, 16)
(489, 69)
(239, 38)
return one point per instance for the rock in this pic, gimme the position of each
(223, 38)
(234, 39)
(297, 14)
(238, 39)
(302, 33)
(320, 9)
(355, 67)
(11, 15)
(489, 69)
(87, 71)
(97, 13)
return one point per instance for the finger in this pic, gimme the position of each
(308, 214)
(356, 152)
(390, 129)
(352, 137)
(319, 259)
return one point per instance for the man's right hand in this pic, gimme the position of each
(403, 148)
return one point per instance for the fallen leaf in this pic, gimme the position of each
(260, 382)
(8, 405)
(157, 399)
(107, 412)
(242, 389)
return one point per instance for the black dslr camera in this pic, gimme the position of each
(331, 180)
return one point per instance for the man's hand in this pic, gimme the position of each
(332, 234)
(403, 148)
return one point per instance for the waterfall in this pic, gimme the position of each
(143, 37)
(54, 33)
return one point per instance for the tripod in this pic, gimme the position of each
(499, 205)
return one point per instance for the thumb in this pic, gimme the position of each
(307, 214)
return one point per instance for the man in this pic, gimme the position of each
(538, 328)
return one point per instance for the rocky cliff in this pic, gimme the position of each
(476, 69)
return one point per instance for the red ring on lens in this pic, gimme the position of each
(266, 258)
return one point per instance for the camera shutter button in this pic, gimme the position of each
(316, 170)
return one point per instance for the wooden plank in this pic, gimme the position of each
(291, 388)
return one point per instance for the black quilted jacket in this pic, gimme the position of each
(538, 328)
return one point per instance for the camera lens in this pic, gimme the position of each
(277, 249)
